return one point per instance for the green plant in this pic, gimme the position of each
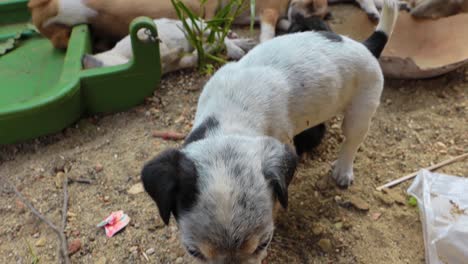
(219, 27)
(412, 201)
(34, 257)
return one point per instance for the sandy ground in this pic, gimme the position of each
(418, 123)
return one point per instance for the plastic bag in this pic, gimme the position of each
(443, 204)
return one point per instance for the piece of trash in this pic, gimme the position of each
(169, 135)
(443, 205)
(115, 222)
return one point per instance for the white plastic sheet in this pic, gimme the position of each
(443, 204)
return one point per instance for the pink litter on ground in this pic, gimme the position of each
(115, 222)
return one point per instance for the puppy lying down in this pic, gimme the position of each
(223, 185)
(176, 51)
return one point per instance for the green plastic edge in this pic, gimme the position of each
(102, 90)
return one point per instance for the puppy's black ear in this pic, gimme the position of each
(278, 166)
(171, 180)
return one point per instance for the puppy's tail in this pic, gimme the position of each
(376, 42)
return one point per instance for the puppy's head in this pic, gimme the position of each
(222, 192)
(43, 10)
(308, 8)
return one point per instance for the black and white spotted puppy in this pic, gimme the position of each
(223, 185)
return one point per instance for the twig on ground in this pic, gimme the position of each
(80, 180)
(169, 135)
(63, 249)
(431, 168)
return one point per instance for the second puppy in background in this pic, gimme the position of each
(176, 51)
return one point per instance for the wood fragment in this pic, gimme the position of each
(430, 168)
(169, 135)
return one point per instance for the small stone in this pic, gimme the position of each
(136, 189)
(98, 168)
(338, 199)
(106, 198)
(59, 178)
(317, 230)
(339, 225)
(440, 145)
(133, 249)
(179, 260)
(376, 216)
(74, 246)
(359, 203)
(20, 207)
(36, 235)
(325, 245)
(101, 260)
(150, 251)
(41, 242)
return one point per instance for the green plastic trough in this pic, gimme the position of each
(43, 90)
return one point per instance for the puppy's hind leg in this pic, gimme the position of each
(355, 125)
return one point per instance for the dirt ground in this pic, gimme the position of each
(418, 123)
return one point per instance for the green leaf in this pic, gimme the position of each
(412, 201)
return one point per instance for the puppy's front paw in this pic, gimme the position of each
(374, 17)
(343, 177)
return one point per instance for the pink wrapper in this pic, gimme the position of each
(115, 222)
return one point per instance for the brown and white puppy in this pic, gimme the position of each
(111, 18)
(439, 8)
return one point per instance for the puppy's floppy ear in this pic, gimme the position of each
(278, 166)
(171, 180)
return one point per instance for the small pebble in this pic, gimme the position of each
(150, 251)
(179, 260)
(325, 245)
(59, 178)
(136, 189)
(41, 242)
(317, 230)
(98, 168)
(101, 260)
(376, 216)
(74, 246)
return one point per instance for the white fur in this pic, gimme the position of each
(267, 31)
(389, 17)
(72, 12)
(176, 51)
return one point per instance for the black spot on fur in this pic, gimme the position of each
(171, 180)
(300, 23)
(200, 132)
(376, 43)
(333, 37)
(308, 139)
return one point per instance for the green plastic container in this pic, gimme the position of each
(43, 90)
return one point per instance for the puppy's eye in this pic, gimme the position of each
(262, 246)
(195, 253)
